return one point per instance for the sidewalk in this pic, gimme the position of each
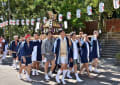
(110, 75)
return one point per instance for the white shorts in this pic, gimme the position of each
(64, 60)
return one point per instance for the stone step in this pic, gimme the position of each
(110, 49)
(107, 55)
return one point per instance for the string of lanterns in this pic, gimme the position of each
(27, 22)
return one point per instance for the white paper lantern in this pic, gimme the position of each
(32, 21)
(1, 25)
(10, 22)
(6, 22)
(65, 24)
(44, 20)
(89, 10)
(37, 26)
(27, 21)
(101, 7)
(23, 22)
(78, 13)
(68, 15)
(38, 19)
(116, 4)
(17, 22)
(13, 22)
(60, 17)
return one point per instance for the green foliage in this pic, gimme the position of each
(118, 56)
(22, 9)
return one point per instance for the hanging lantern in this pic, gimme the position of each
(89, 10)
(65, 25)
(60, 17)
(27, 21)
(1, 25)
(10, 22)
(116, 4)
(22, 22)
(68, 15)
(38, 20)
(44, 20)
(13, 22)
(101, 7)
(6, 22)
(37, 26)
(17, 22)
(32, 21)
(78, 13)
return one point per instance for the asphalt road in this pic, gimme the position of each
(110, 75)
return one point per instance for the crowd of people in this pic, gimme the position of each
(63, 53)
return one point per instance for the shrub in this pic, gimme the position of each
(118, 56)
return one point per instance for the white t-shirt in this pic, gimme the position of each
(75, 49)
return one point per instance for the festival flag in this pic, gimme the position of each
(22, 22)
(32, 21)
(65, 25)
(78, 13)
(27, 21)
(89, 10)
(68, 15)
(116, 4)
(17, 22)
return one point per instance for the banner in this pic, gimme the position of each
(89, 10)
(6, 23)
(60, 17)
(78, 13)
(68, 15)
(116, 4)
(32, 21)
(101, 7)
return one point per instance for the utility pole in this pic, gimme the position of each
(8, 20)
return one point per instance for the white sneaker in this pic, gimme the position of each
(96, 70)
(57, 79)
(20, 76)
(50, 74)
(0, 61)
(63, 81)
(69, 76)
(47, 77)
(79, 80)
(33, 72)
(90, 68)
(29, 79)
(37, 73)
